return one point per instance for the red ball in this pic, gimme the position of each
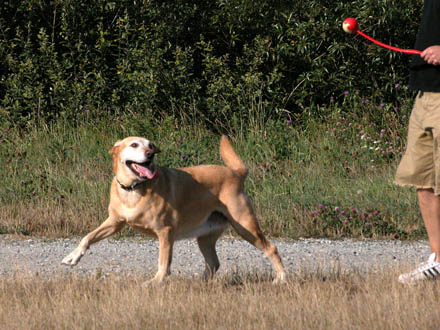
(350, 25)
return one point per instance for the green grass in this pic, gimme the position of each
(312, 178)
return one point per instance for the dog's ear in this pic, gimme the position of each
(156, 150)
(117, 144)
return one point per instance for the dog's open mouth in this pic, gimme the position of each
(143, 170)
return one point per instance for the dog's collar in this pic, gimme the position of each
(132, 187)
(136, 184)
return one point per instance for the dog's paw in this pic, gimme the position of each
(156, 281)
(280, 278)
(73, 258)
(152, 283)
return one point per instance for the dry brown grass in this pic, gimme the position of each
(307, 301)
(51, 218)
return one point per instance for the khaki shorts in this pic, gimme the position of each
(420, 165)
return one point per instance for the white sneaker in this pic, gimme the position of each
(428, 270)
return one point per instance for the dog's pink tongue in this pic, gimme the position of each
(145, 172)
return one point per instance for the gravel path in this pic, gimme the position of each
(139, 256)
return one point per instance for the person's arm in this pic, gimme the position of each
(431, 55)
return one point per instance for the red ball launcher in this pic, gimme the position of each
(350, 26)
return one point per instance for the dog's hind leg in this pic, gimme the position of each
(243, 220)
(207, 246)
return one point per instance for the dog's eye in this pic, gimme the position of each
(134, 145)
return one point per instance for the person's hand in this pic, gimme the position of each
(431, 55)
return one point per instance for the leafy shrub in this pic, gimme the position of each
(229, 63)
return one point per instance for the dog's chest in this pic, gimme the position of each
(140, 211)
(130, 214)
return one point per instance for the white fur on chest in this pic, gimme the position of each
(129, 214)
(128, 208)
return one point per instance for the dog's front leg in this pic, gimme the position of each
(166, 241)
(107, 228)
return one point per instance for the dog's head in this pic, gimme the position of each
(133, 160)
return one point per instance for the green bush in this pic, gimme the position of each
(229, 63)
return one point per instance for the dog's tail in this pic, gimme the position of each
(230, 157)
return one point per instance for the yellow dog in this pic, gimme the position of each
(173, 204)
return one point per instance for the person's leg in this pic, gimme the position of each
(430, 208)
(420, 168)
(429, 204)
